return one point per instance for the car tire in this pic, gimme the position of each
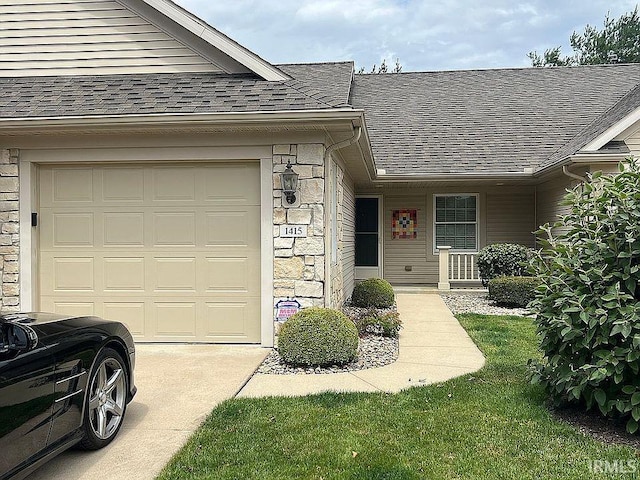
(105, 401)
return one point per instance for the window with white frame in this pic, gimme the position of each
(456, 221)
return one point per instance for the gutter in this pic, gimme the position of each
(162, 119)
(570, 174)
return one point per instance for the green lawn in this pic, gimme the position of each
(488, 425)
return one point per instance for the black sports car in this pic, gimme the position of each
(63, 381)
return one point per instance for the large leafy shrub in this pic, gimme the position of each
(503, 259)
(318, 336)
(373, 292)
(513, 291)
(588, 306)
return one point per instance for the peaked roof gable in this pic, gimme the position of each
(213, 37)
(89, 37)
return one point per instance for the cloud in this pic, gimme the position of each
(424, 35)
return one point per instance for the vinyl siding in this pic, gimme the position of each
(633, 142)
(511, 219)
(400, 254)
(550, 194)
(348, 236)
(80, 37)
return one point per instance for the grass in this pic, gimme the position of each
(488, 425)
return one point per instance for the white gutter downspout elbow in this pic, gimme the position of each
(327, 221)
(569, 173)
(345, 143)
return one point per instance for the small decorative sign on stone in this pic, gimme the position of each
(286, 308)
(295, 231)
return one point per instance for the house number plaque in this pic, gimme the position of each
(293, 231)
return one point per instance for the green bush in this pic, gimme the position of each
(385, 324)
(503, 260)
(373, 292)
(588, 306)
(513, 291)
(318, 336)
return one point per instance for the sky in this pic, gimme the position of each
(424, 35)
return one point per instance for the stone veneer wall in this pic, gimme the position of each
(299, 262)
(9, 230)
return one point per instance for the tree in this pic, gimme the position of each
(383, 68)
(617, 42)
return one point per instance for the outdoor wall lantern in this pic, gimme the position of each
(289, 184)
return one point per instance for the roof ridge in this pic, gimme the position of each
(587, 127)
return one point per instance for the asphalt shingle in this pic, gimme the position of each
(134, 94)
(489, 121)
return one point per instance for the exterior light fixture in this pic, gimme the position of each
(289, 184)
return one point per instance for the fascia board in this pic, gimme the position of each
(612, 132)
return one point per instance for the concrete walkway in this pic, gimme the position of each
(433, 348)
(178, 386)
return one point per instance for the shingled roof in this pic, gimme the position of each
(135, 94)
(490, 121)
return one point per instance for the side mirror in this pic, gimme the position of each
(17, 337)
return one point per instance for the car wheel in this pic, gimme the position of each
(106, 400)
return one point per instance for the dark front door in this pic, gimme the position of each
(368, 241)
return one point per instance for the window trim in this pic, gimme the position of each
(476, 223)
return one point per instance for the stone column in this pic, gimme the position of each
(9, 230)
(299, 262)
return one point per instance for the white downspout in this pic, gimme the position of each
(327, 201)
(569, 173)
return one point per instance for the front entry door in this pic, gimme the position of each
(368, 238)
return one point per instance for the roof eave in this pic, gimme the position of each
(71, 122)
(612, 132)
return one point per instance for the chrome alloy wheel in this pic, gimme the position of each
(107, 398)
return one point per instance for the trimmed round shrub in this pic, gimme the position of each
(317, 337)
(513, 291)
(373, 292)
(503, 260)
(588, 305)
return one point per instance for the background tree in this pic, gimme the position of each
(383, 68)
(617, 42)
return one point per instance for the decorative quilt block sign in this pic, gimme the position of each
(404, 224)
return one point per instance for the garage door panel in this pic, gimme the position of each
(123, 185)
(125, 229)
(174, 184)
(73, 308)
(72, 185)
(175, 319)
(124, 274)
(174, 274)
(221, 185)
(233, 228)
(73, 274)
(131, 313)
(157, 247)
(174, 229)
(73, 229)
(227, 275)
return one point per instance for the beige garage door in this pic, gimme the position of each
(173, 251)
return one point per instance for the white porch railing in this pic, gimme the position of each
(456, 267)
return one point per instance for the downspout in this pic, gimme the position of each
(327, 201)
(569, 173)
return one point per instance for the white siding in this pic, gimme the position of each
(633, 142)
(82, 37)
(549, 196)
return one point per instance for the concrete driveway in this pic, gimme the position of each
(178, 385)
